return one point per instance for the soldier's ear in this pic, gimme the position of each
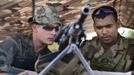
(34, 27)
(94, 26)
(118, 23)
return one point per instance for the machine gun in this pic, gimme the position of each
(71, 32)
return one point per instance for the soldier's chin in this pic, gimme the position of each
(50, 43)
(107, 41)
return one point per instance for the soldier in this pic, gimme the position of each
(19, 53)
(108, 53)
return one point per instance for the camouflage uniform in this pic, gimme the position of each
(16, 54)
(118, 57)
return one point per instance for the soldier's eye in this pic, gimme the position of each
(108, 26)
(99, 27)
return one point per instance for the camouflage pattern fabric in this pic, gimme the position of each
(44, 59)
(118, 57)
(55, 70)
(17, 54)
(46, 15)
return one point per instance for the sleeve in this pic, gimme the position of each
(44, 60)
(72, 67)
(130, 52)
(87, 49)
(7, 51)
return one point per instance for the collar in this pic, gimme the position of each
(120, 45)
(28, 42)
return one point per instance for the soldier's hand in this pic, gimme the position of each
(28, 73)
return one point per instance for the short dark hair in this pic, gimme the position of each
(104, 11)
(32, 21)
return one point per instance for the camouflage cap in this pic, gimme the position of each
(46, 15)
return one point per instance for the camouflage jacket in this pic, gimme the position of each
(118, 57)
(17, 54)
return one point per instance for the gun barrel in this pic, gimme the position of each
(84, 13)
(85, 9)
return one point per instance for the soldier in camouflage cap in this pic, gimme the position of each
(19, 53)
